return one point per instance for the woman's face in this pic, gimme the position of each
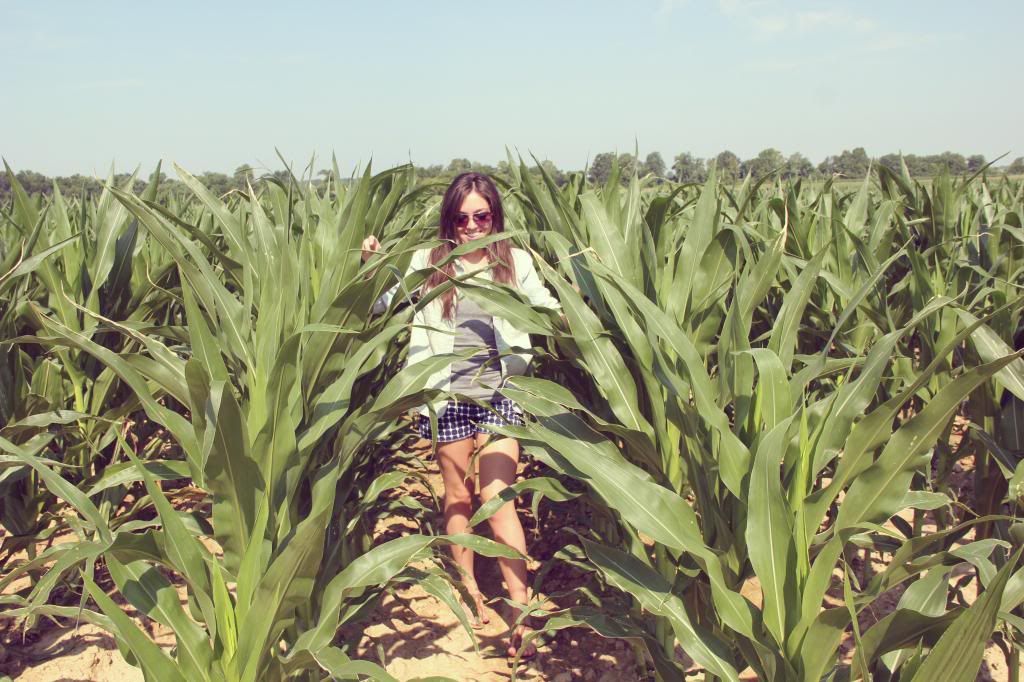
(473, 221)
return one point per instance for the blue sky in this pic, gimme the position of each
(212, 85)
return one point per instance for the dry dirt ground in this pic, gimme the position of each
(410, 633)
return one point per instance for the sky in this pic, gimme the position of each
(215, 85)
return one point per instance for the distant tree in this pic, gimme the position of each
(503, 170)
(653, 165)
(244, 174)
(952, 163)
(218, 183)
(628, 166)
(727, 166)
(552, 170)
(936, 164)
(122, 180)
(798, 166)
(81, 185)
(767, 161)
(852, 164)
(918, 165)
(688, 168)
(1016, 167)
(890, 161)
(33, 182)
(429, 171)
(601, 168)
(162, 177)
(459, 166)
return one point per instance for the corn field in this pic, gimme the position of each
(758, 396)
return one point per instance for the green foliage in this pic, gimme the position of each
(758, 378)
(754, 382)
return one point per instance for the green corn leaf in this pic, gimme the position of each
(377, 567)
(275, 449)
(607, 238)
(569, 446)
(155, 664)
(774, 399)
(231, 474)
(437, 584)
(603, 360)
(699, 236)
(990, 347)
(550, 488)
(184, 551)
(957, 655)
(770, 534)
(610, 626)
(341, 667)
(783, 340)
(926, 596)
(152, 594)
(124, 473)
(62, 489)
(174, 422)
(632, 576)
(875, 495)
(734, 458)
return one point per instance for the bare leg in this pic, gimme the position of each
(453, 459)
(498, 460)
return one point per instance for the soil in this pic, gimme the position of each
(415, 636)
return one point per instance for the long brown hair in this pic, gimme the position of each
(499, 253)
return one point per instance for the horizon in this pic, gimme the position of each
(302, 170)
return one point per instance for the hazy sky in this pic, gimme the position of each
(213, 85)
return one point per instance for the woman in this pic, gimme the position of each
(471, 210)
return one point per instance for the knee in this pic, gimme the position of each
(505, 522)
(492, 490)
(458, 495)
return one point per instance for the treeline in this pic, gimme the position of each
(850, 163)
(689, 168)
(685, 167)
(223, 183)
(80, 185)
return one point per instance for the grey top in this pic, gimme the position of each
(474, 329)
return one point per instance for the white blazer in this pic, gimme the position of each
(431, 334)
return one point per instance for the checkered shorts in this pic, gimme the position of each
(462, 420)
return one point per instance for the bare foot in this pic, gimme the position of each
(480, 618)
(515, 643)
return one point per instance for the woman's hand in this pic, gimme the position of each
(370, 246)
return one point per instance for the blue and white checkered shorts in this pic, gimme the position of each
(462, 420)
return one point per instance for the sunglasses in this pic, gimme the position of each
(481, 218)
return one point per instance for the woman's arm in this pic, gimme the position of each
(531, 285)
(418, 262)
